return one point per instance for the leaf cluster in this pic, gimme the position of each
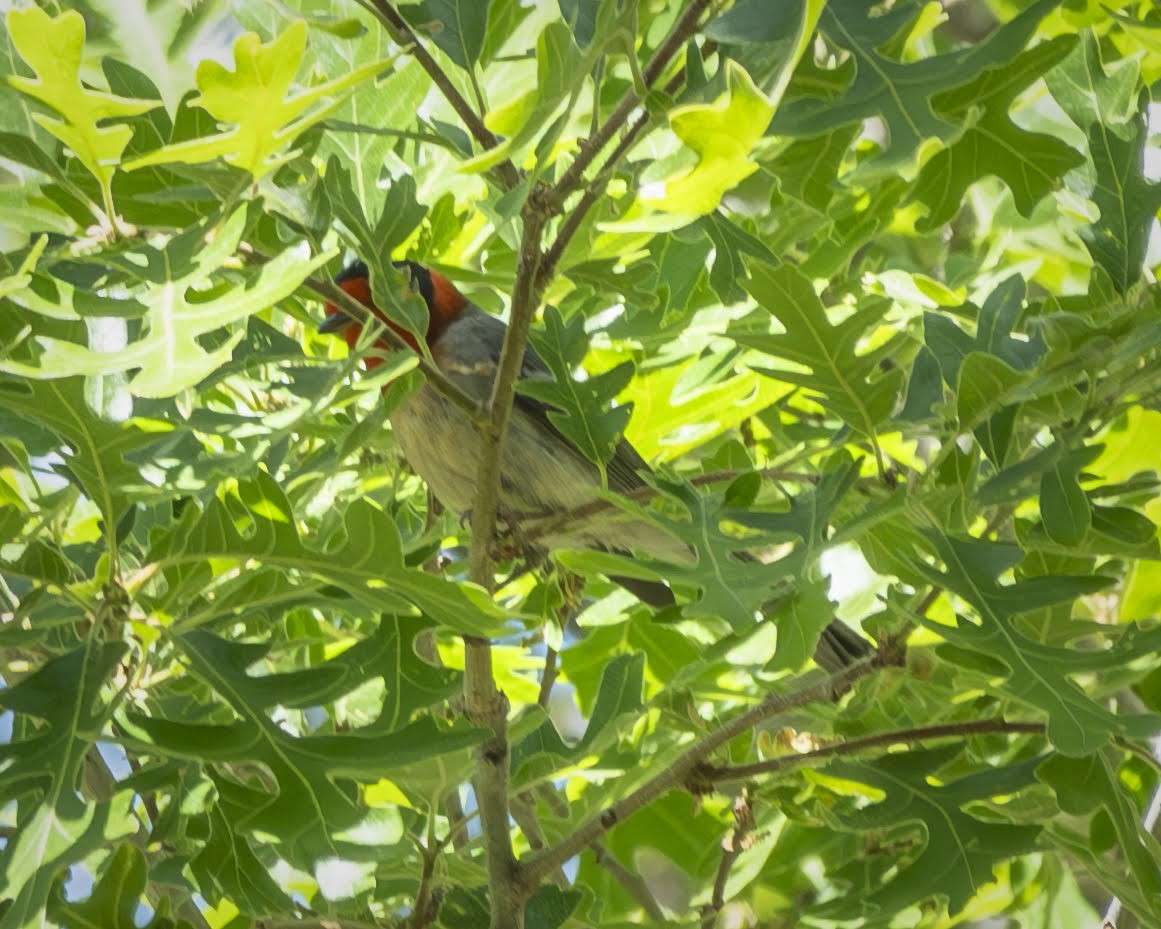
(874, 293)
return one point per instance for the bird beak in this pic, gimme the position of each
(337, 321)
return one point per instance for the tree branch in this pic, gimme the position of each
(682, 30)
(539, 527)
(456, 821)
(523, 809)
(402, 32)
(485, 704)
(428, 897)
(742, 772)
(548, 678)
(595, 190)
(524, 302)
(539, 865)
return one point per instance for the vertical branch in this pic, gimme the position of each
(487, 706)
(732, 846)
(485, 703)
(524, 303)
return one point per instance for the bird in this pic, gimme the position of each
(542, 474)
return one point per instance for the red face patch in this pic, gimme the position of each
(360, 289)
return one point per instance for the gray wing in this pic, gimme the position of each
(478, 338)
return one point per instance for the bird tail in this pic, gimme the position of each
(839, 647)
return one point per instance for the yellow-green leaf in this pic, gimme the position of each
(255, 98)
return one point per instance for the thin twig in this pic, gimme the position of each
(686, 25)
(732, 847)
(405, 36)
(633, 884)
(596, 189)
(743, 772)
(538, 865)
(548, 678)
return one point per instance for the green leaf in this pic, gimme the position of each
(115, 900)
(1090, 787)
(90, 121)
(550, 907)
(170, 357)
(801, 617)
(579, 407)
(367, 562)
(314, 811)
(720, 135)
(227, 866)
(618, 696)
(376, 242)
(390, 103)
(456, 26)
(1102, 103)
(900, 92)
(1039, 675)
(1032, 164)
(985, 384)
(732, 588)
(95, 450)
(1128, 203)
(834, 372)
(56, 827)
(756, 21)
(561, 71)
(1063, 505)
(581, 16)
(958, 851)
(254, 98)
(989, 371)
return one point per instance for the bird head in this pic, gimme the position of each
(444, 303)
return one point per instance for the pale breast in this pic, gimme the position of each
(538, 476)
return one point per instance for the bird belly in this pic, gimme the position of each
(538, 478)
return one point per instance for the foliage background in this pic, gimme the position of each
(876, 283)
